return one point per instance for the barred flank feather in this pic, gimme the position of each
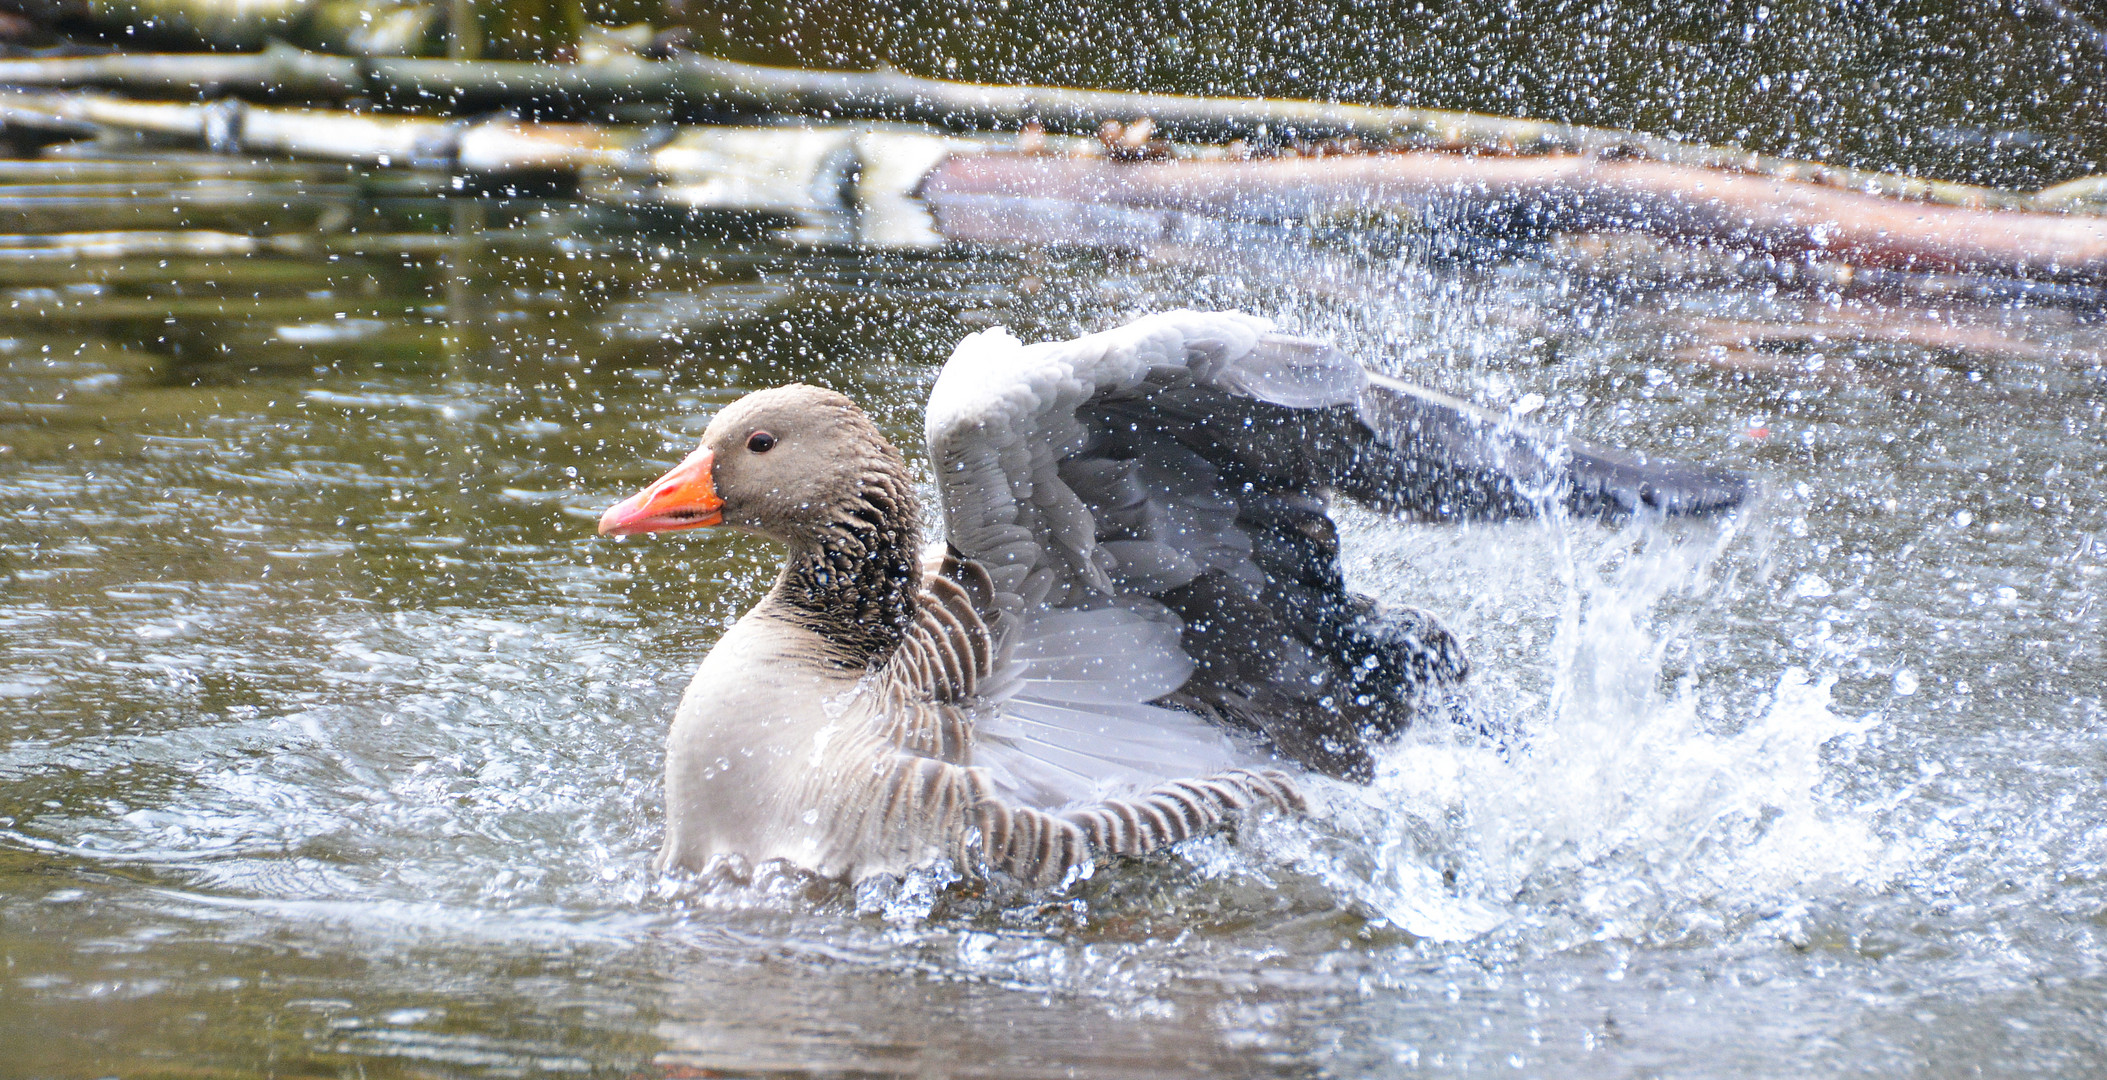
(1181, 810)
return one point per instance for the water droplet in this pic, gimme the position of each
(1905, 682)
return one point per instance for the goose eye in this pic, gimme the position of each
(760, 442)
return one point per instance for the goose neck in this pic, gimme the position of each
(855, 579)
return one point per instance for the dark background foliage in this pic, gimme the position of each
(2006, 94)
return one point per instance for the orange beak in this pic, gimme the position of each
(684, 498)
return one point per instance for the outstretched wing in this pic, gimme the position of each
(1149, 508)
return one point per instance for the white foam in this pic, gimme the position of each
(1624, 814)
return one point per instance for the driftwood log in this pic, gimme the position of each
(884, 184)
(836, 182)
(1039, 199)
(887, 182)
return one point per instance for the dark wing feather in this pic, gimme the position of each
(1430, 456)
(1293, 655)
(1186, 460)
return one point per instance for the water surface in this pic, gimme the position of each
(329, 732)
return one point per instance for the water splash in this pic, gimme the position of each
(1626, 815)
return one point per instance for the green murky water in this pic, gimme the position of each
(329, 733)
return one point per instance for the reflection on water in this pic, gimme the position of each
(329, 732)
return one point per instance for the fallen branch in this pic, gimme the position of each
(699, 87)
(816, 176)
(1012, 198)
(841, 177)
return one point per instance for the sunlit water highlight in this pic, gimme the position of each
(331, 733)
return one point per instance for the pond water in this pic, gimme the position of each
(330, 732)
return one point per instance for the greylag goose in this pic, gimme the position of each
(1135, 625)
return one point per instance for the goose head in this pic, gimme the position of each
(784, 463)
